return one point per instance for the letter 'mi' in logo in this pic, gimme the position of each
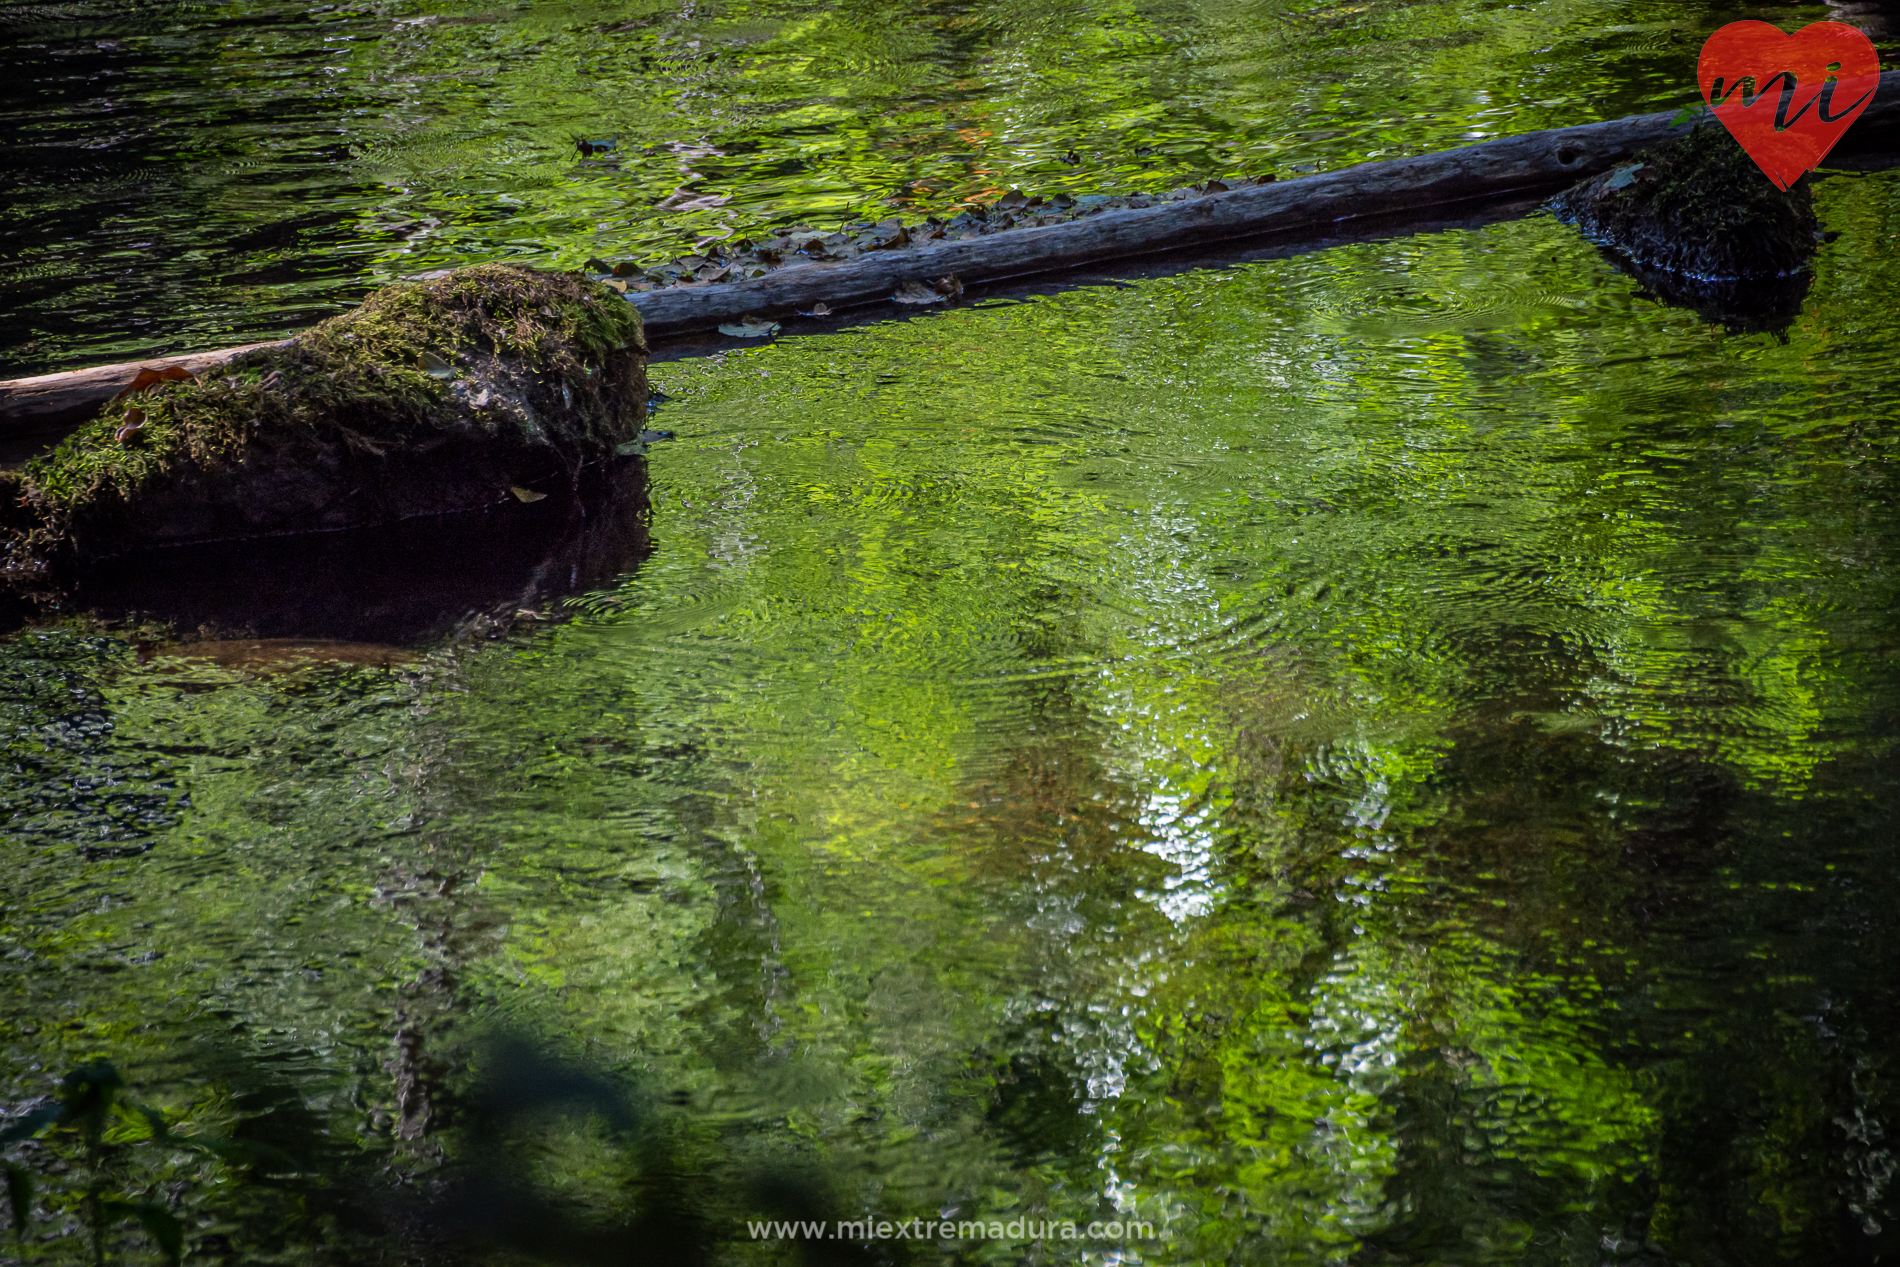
(1786, 78)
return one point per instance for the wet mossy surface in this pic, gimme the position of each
(1699, 208)
(430, 397)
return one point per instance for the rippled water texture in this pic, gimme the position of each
(182, 175)
(1383, 756)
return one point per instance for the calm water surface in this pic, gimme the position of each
(1379, 757)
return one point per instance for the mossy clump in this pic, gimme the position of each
(1698, 207)
(430, 397)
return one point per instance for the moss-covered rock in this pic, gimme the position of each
(1698, 207)
(431, 397)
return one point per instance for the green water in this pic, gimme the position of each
(1380, 753)
(1384, 756)
(186, 174)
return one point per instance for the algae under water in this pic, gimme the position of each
(1383, 756)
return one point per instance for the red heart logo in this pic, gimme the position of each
(1787, 98)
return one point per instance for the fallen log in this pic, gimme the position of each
(1532, 162)
(1515, 165)
(56, 402)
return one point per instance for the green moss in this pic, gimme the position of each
(371, 381)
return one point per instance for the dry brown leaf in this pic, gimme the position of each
(147, 377)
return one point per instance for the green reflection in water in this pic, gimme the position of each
(1372, 757)
(185, 175)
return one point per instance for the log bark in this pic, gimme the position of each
(1514, 165)
(59, 400)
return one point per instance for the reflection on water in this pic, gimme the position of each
(1380, 756)
(188, 175)
(473, 572)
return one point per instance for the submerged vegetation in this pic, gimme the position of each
(431, 396)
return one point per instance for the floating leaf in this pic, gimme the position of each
(616, 284)
(594, 265)
(820, 310)
(949, 287)
(435, 367)
(750, 329)
(711, 273)
(526, 494)
(1013, 199)
(1623, 177)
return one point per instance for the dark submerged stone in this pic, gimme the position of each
(1699, 207)
(1699, 226)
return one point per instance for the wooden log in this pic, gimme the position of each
(52, 401)
(1532, 162)
(1506, 166)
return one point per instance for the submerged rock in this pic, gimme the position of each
(493, 385)
(1699, 207)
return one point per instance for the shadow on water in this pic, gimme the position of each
(402, 583)
(93, 1148)
(1740, 305)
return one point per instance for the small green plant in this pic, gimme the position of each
(92, 1098)
(1693, 112)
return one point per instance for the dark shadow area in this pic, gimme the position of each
(1747, 305)
(396, 583)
